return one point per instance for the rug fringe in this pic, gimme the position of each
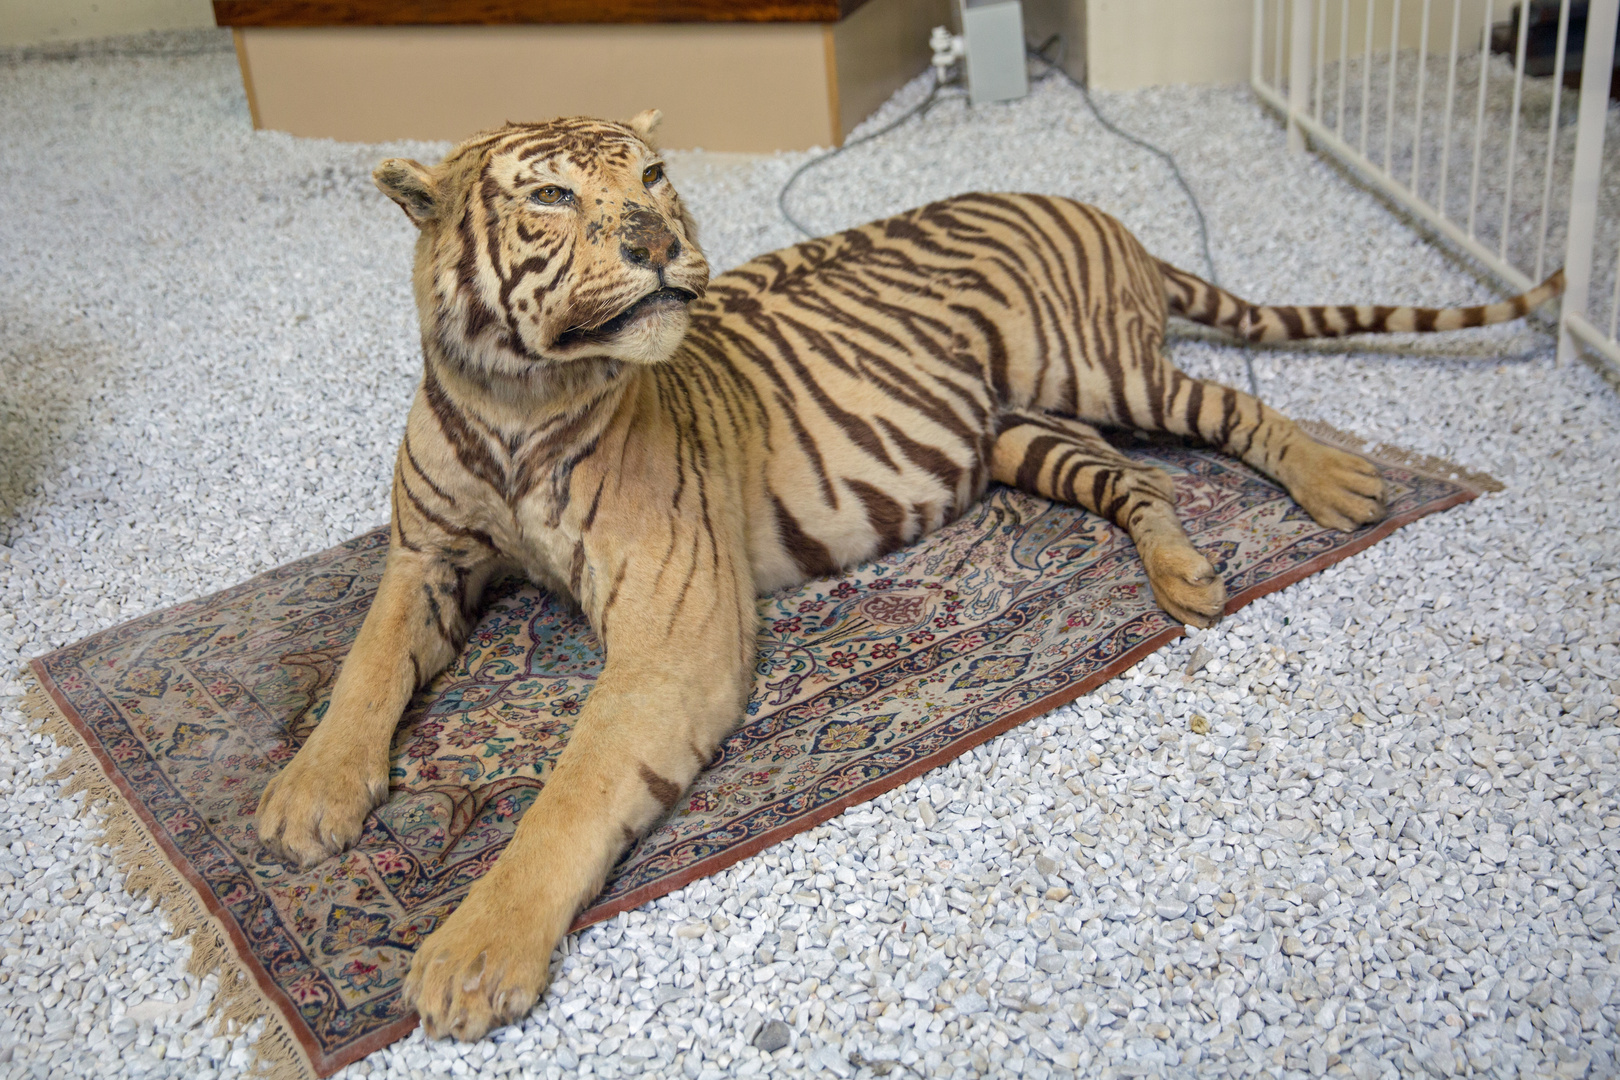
(1384, 453)
(238, 1002)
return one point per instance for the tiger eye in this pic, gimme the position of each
(549, 194)
(652, 174)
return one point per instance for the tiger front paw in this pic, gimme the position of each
(1339, 490)
(316, 806)
(485, 967)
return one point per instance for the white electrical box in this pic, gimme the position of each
(994, 30)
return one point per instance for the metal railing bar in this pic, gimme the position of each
(1614, 301)
(1389, 107)
(1257, 49)
(1513, 127)
(1605, 347)
(1597, 60)
(1277, 52)
(1346, 154)
(1552, 133)
(1344, 56)
(1366, 79)
(1451, 94)
(1423, 70)
(1321, 44)
(1299, 71)
(1479, 117)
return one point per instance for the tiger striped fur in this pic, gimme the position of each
(596, 413)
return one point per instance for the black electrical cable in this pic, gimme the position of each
(921, 107)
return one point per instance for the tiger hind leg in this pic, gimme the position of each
(1339, 490)
(1069, 461)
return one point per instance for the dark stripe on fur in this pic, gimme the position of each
(811, 555)
(665, 792)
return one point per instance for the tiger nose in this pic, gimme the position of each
(656, 253)
(646, 240)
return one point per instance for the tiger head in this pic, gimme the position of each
(543, 245)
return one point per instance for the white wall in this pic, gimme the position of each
(1134, 43)
(35, 22)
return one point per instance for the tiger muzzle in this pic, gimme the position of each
(668, 296)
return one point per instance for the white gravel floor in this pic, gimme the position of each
(1393, 854)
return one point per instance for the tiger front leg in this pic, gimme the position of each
(674, 683)
(316, 806)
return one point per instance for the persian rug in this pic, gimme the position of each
(179, 718)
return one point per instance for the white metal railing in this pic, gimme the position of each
(1306, 65)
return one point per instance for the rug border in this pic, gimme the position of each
(306, 1058)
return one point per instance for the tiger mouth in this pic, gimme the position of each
(669, 296)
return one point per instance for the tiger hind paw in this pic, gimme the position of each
(1186, 585)
(1339, 490)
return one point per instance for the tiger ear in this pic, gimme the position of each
(411, 185)
(643, 122)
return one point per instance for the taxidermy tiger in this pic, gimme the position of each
(662, 448)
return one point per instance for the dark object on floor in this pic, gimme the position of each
(773, 1036)
(1541, 42)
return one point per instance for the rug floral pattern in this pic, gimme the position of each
(861, 681)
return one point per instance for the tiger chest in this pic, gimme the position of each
(541, 540)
